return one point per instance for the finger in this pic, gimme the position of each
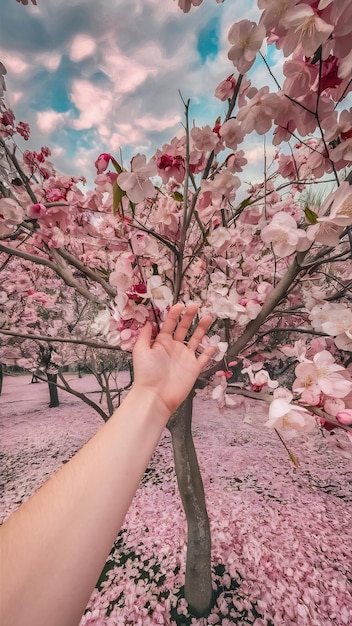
(206, 356)
(185, 323)
(145, 337)
(199, 332)
(172, 318)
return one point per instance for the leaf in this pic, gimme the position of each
(116, 165)
(117, 195)
(311, 216)
(177, 196)
(243, 204)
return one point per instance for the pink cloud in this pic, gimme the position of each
(47, 121)
(51, 61)
(126, 73)
(82, 46)
(158, 124)
(15, 64)
(93, 103)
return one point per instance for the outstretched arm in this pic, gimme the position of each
(54, 546)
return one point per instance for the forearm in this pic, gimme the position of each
(55, 546)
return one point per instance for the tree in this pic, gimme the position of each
(172, 229)
(50, 330)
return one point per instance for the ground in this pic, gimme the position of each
(282, 549)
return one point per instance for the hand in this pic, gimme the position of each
(167, 366)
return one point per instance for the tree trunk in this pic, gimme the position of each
(53, 393)
(198, 584)
(1, 377)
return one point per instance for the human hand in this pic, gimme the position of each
(167, 367)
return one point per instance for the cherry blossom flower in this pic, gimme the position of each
(37, 211)
(283, 234)
(160, 293)
(286, 416)
(171, 166)
(324, 373)
(136, 183)
(334, 319)
(247, 38)
(204, 139)
(339, 206)
(306, 28)
(24, 130)
(298, 350)
(11, 214)
(215, 340)
(260, 111)
(232, 133)
(260, 378)
(225, 89)
(345, 417)
(102, 162)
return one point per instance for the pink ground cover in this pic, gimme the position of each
(282, 549)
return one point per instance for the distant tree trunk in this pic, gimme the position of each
(1, 377)
(53, 393)
(198, 584)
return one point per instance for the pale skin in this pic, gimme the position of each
(54, 546)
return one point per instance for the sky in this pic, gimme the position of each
(105, 76)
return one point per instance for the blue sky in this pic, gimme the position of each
(104, 76)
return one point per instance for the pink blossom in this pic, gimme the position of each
(24, 130)
(225, 89)
(345, 417)
(11, 214)
(102, 162)
(323, 372)
(283, 234)
(37, 211)
(298, 77)
(286, 416)
(247, 38)
(204, 139)
(136, 183)
(215, 340)
(260, 111)
(259, 379)
(338, 206)
(159, 292)
(306, 28)
(236, 161)
(232, 133)
(274, 12)
(170, 166)
(333, 406)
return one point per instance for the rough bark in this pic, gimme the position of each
(53, 393)
(198, 584)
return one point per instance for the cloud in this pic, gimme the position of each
(48, 121)
(82, 46)
(93, 103)
(16, 64)
(104, 76)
